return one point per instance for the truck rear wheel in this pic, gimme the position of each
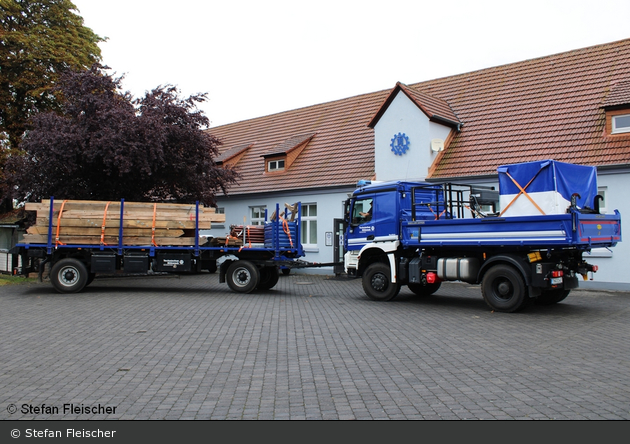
(242, 276)
(377, 284)
(424, 290)
(503, 289)
(69, 275)
(269, 277)
(551, 297)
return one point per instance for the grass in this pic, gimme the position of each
(6, 279)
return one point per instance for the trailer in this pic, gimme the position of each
(521, 243)
(75, 260)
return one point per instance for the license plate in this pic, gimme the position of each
(556, 281)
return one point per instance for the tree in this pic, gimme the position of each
(39, 40)
(104, 145)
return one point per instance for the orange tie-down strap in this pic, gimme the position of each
(57, 242)
(287, 230)
(153, 226)
(104, 222)
(523, 192)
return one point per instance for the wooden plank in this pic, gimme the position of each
(83, 214)
(114, 205)
(115, 223)
(113, 240)
(82, 231)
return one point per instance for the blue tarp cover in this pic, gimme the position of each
(551, 175)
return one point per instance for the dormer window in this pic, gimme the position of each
(275, 165)
(621, 124)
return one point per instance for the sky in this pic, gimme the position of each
(254, 58)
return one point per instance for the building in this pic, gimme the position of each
(571, 107)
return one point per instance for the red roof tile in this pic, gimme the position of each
(546, 108)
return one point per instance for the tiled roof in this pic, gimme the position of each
(340, 153)
(546, 108)
(434, 108)
(289, 145)
(619, 95)
(549, 107)
(227, 155)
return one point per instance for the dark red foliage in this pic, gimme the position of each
(106, 146)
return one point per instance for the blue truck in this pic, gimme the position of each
(521, 243)
(245, 267)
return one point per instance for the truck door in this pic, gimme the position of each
(373, 219)
(339, 228)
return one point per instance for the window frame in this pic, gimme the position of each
(276, 165)
(260, 220)
(624, 129)
(309, 225)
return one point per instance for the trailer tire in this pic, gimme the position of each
(242, 276)
(551, 297)
(503, 289)
(424, 290)
(376, 283)
(69, 275)
(269, 277)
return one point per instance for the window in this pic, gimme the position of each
(621, 124)
(257, 215)
(362, 211)
(309, 225)
(275, 165)
(602, 203)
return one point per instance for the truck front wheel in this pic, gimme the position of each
(377, 284)
(424, 290)
(242, 276)
(503, 289)
(69, 275)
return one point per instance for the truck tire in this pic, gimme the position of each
(242, 276)
(503, 289)
(551, 297)
(424, 290)
(69, 275)
(269, 277)
(376, 283)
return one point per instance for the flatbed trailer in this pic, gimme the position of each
(245, 267)
(420, 234)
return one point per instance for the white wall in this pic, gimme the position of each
(613, 269)
(403, 116)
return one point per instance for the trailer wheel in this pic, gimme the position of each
(424, 290)
(269, 277)
(503, 289)
(377, 284)
(551, 297)
(242, 276)
(69, 275)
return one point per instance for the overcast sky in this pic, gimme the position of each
(259, 57)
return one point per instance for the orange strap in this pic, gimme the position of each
(437, 216)
(153, 226)
(285, 228)
(521, 192)
(103, 226)
(57, 242)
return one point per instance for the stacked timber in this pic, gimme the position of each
(82, 222)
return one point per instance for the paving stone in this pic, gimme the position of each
(186, 347)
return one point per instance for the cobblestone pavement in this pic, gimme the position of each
(314, 347)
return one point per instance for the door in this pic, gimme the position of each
(339, 228)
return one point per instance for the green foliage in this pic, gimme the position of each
(104, 145)
(39, 39)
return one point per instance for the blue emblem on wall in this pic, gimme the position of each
(400, 144)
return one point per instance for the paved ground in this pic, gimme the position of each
(311, 348)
